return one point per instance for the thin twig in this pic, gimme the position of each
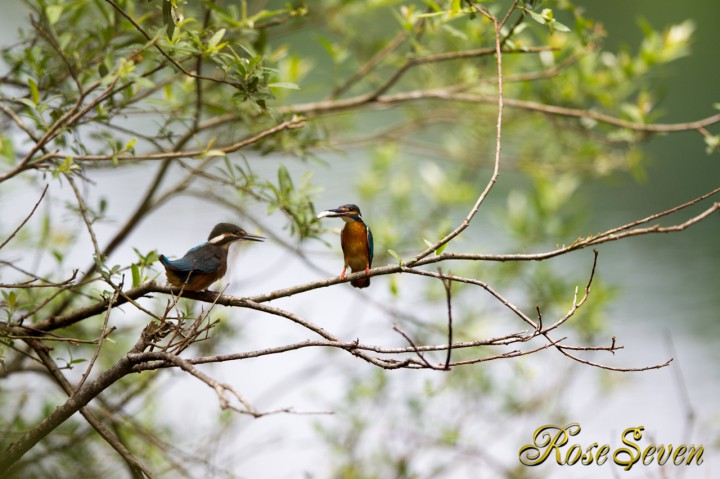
(681, 386)
(496, 165)
(18, 121)
(447, 284)
(101, 339)
(32, 212)
(31, 284)
(50, 39)
(414, 347)
(374, 61)
(293, 123)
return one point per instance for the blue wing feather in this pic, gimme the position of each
(192, 250)
(371, 246)
(204, 260)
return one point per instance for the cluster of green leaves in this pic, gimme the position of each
(87, 57)
(77, 47)
(75, 51)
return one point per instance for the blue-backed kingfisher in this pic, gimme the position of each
(205, 263)
(356, 240)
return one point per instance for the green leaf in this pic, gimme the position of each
(537, 17)
(168, 18)
(53, 13)
(712, 143)
(285, 85)
(214, 153)
(216, 39)
(285, 182)
(394, 290)
(394, 254)
(11, 298)
(135, 275)
(142, 82)
(34, 92)
(459, 34)
(440, 248)
(7, 148)
(560, 27)
(28, 103)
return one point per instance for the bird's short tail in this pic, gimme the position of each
(361, 283)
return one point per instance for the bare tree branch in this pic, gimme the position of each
(447, 284)
(496, 164)
(136, 467)
(33, 283)
(295, 122)
(79, 400)
(32, 212)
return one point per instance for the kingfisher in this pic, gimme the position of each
(356, 240)
(206, 263)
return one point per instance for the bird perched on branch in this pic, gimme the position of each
(356, 240)
(205, 263)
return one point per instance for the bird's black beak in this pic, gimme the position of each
(249, 237)
(336, 213)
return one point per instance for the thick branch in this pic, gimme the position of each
(89, 391)
(135, 466)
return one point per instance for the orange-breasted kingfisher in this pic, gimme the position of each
(356, 240)
(206, 263)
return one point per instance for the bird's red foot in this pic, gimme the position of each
(342, 275)
(367, 270)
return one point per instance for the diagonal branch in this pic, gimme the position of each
(293, 123)
(496, 164)
(136, 467)
(62, 413)
(32, 212)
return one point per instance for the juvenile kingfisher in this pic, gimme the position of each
(205, 263)
(356, 240)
